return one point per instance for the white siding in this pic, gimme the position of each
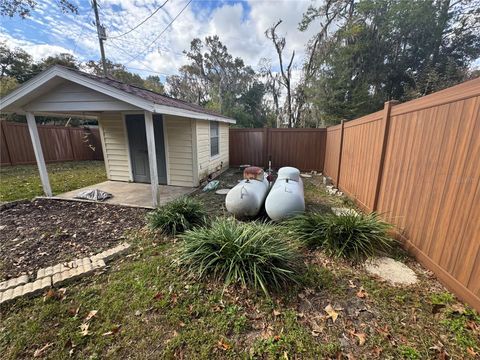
(114, 139)
(73, 97)
(180, 150)
(206, 163)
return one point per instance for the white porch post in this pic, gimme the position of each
(37, 148)
(152, 157)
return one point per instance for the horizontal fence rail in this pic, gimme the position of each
(58, 144)
(418, 165)
(301, 148)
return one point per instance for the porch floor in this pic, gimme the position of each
(133, 194)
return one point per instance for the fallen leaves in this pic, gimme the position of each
(223, 345)
(362, 337)
(472, 352)
(362, 293)
(90, 315)
(113, 331)
(332, 312)
(84, 329)
(41, 351)
(158, 296)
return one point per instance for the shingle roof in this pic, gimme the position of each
(148, 94)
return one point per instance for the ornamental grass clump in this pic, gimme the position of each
(352, 236)
(253, 254)
(178, 216)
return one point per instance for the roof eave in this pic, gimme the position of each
(57, 71)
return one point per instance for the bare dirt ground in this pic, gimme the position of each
(39, 233)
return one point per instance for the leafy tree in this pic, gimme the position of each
(153, 83)
(377, 50)
(187, 87)
(7, 85)
(215, 79)
(23, 8)
(64, 59)
(15, 63)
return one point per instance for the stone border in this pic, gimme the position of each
(58, 275)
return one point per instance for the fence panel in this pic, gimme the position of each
(247, 146)
(4, 155)
(427, 175)
(58, 144)
(332, 156)
(360, 157)
(302, 148)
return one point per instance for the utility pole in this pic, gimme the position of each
(102, 36)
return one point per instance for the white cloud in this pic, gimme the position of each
(240, 27)
(38, 51)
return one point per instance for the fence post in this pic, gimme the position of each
(3, 124)
(340, 153)
(385, 130)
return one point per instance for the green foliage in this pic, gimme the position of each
(22, 8)
(407, 352)
(247, 253)
(7, 85)
(457, 322)
(178, 216)
(442, 298)
(350, 236)
(119, 72)
(387, 49)
(215, 79)
(17, 64)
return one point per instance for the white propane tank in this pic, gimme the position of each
(247, 197)
(286, 196)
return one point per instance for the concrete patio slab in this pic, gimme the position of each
(132, 194)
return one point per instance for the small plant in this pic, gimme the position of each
(178, 216)
(350, 236)
(407, 352)
(235, 252)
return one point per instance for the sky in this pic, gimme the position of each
(239, 24)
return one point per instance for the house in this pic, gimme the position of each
(146, 137)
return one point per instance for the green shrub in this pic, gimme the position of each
(178, 216)
(350, 236)
(247, 253)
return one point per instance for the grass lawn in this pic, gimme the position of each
(23, 181)
(146, 308)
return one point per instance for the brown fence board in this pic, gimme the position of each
(301, 148)
(58, 144)
(332, 155)
(429, 179)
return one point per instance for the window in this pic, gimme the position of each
(214, 144)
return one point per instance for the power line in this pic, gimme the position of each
(161, 33)
(133, 68)
(140, 24)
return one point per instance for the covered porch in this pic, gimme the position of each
(144, 165)
(132, 194)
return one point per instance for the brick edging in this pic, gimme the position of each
(57, 275)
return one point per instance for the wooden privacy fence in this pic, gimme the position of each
(58, 144)
(302, 148)
(418, 165)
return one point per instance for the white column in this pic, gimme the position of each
(152, 157)
(37, 148)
